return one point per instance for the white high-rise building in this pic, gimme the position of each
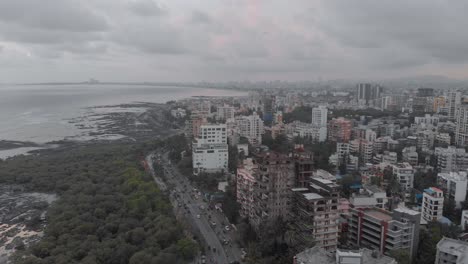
(319, 116)
(461, 131)
(210, 149)
(432, 204)
(454, 185)
(250, 127)
(453, 102)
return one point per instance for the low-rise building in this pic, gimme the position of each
(317, 255)
(178, 113)
(369, 196)
(451, 251)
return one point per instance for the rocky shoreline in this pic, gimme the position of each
(22, 218)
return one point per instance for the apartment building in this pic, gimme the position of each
(197, 119)
(387, 157)
(225, 112)
(451, 159)
(319, 116)
(443, 139)
(404, 174)
(274, 177)
(315, 214)
(381, 230)
(245, 184)
(364, 148)
(410, 155)
(432, 204)
(461, 130)
(454, 185)
(210, 149)
(339, 130)
(303, 167)
(451, 251)
(453, 102)
(427, 120)
(250, 127)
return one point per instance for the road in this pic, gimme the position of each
(209, 223)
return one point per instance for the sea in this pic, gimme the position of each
(42, 113)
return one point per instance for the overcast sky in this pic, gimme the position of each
(221, 40)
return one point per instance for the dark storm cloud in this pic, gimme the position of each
(65, 15)
(146, 8)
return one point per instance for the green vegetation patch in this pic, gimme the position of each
(109, 210)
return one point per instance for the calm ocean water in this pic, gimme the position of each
(41, 113)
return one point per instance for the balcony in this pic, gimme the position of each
(370, 240)
(371, 226)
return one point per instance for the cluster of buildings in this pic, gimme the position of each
(426, 133)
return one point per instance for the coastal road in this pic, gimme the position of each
(210, 223)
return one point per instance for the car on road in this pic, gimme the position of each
(198, 216)
(203, 259)
(227, 228)
(213, 223)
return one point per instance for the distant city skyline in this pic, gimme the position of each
(191, 41)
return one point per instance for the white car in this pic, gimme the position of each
(198, 216)
(227, 228)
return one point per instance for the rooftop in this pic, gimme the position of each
(454, 176)
(312, 196)
(432, 190)
(378, 214)
(403, 165)
(373, 188)
(299, 189)
(406, 210)
(319, 255)
(454, 247)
